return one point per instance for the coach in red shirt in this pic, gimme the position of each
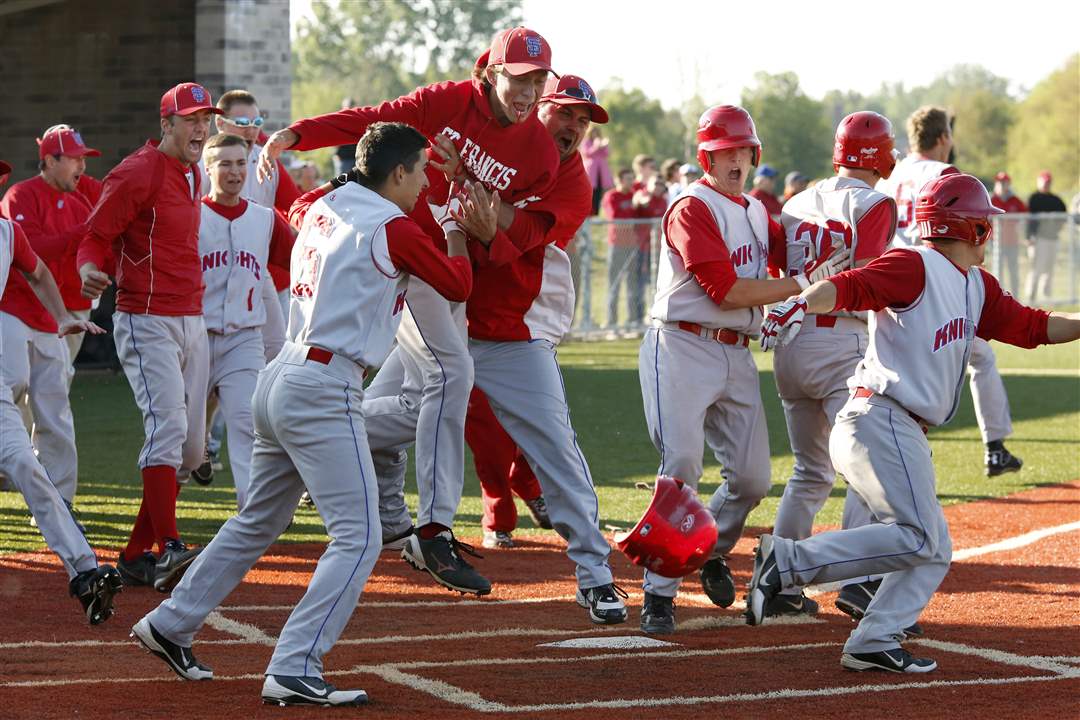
(149, 214)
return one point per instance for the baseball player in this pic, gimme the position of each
(350, 268)
(489, 124)
(699, 382)
(38, 364)
(521, 306)
(149, 213)
(930, 137)
(243, 318)
(812, 371)
(929, 303)
(94, 585)
(503, 471)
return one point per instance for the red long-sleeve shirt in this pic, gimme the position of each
(23, 257)
(518, 160)
(411, 250)
(54, 222)
(691, 231)
(155, 239)
(510, 276)
(284, 196)
(897, 279)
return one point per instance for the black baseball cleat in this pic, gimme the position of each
(897, 660)
(180, 659)
(286, 690)
(172, 565)
(717, 582)
(791, 605)
(1000, 461)
(855, 598)
(604, 602)
(204, 474)
(95, 590)
(137, 572)
(658, 615)
(538, 510)
(764, 583)
(439, 557)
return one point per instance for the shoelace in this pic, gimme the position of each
(466, 548)
(616, 590)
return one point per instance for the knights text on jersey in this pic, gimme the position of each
(234, 252)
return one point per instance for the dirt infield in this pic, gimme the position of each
(1004, 628)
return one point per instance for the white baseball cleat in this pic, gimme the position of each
(286, 690)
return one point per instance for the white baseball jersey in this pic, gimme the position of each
(826, 214)
(259, 193)
(903, 186)
(7, 251)
(348, 225)
(918, 355)
(234, 254)
(745, 231)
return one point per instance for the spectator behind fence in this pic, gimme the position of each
(1043, 238)
(594, 153)
(1008, 235)
(669, 170)
(794, 183)
(344, 155)
(644, 169)
(306, 176)
(618, 204)
(688, 173)
(764, 185)
(650, 205)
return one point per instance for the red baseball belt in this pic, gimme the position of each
(862, 392)
(720, 335)
(320, 355)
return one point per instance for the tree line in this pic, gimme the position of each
(374, 50)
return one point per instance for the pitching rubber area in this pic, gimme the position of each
(1004, 629)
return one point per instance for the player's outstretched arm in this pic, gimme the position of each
(1063, 327)
(44, 286)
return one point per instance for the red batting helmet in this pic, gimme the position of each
(676, 534)
(726, 126)
(955, 207)
(865, 140)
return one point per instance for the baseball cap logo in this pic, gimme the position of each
(533, 46)
(586, 91)
(77, 138)
(197, 94)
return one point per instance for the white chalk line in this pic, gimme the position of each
(244, 631)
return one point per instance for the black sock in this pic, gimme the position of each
(995, 445)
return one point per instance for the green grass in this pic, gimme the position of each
(601, 379)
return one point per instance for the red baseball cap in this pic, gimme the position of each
(187, 98)
(62, 140)
(1045, 175)
(519, 50)
(5, 170)
(1002, 177)
(573, 90)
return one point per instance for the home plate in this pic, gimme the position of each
(618, 642)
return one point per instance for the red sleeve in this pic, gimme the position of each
(777, 260)
(528, 230)
(692, 233)
(875, 230)
(281, 242)
(895, 279)
(122, 193)
(21, 200)
(301, 204)
(607, 204)
(287, 192)
(346, 126)
(22, 255)
(1005, 319)
(412, 250)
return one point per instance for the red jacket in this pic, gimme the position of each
(519, 161)
(513, 275)
(149, 214)
(54, 223)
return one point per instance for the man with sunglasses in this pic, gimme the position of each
(931, 140)
(928, 305)
(490, 121)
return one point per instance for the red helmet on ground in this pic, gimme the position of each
(676, 534)
(865, 140)
(955, 207)
(726, 126)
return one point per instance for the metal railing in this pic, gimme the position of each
(1035, 257)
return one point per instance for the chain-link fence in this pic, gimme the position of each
(1035, 257)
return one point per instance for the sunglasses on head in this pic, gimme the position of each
(244, 122)
(578, 93)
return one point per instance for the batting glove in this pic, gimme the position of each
(824, 267)
(444, 214)
(783, 323)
